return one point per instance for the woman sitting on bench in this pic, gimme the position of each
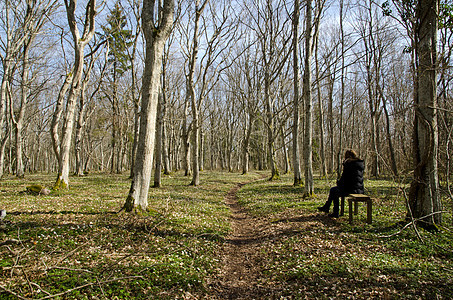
(350, 182)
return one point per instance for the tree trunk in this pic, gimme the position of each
(393, 165)
(424, 200)
(296, 106)
(270, 128)
(195, 105)
(159, 146)
(322, 154)
(343, 66)
(83, 106)
(308, 138)
(185, 138)
(3, 110)
(165, 158)
(136, 129)
(78, 135)
(331, 80)
(246, 146)
(18, 123)
(155, 38)
(80, 42)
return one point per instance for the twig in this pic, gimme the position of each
(28, 281)
(412, 217)
(69, 269)
(70, 253)
(12, 293)
(10, 242)
(40, 288)
(100, 287)
(411, 223)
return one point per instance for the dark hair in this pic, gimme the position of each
(350, 154)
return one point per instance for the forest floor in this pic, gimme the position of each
(233, 237)
(239, 276)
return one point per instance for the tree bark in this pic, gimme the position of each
(155, 37)
(80, 42)
(159, 146)
(424, 200)
(308, 138)
(342, 77)
(296, 103)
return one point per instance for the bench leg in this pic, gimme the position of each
(342, 207)
(356, 208)
(350, 210)
(369, 211)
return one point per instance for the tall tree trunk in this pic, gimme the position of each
(246, 145)
(115, 123)
(159, 145)
(78, 134)
(165, 158)
(185, 139)
(330, 127)
(285, 150)
(195, 104)
(201, 155)
(80, 125)
(373, 104)
(3, 112)
(136, 131)
(270, 127)
(322, 150)
(296, 105)
(18, 123)
(393, 165)
(80, 42)
(133, 95)
(424, 200)
(155, 38)
(308, 138)
(343, 66)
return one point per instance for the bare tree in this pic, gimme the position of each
(193, 56)
(83, 106)
(218, 39)
(156, 26)
(311, 30)
(21, 23)
(274, 42)
(308, 109)
(296, 100)
(73, 83)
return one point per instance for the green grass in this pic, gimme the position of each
(332, 258)
(74, 238)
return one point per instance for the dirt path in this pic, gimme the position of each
(239, 277)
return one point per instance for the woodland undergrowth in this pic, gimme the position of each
(74, 245)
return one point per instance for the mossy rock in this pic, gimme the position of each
(37, 189)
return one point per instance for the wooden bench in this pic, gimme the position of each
(356, 198)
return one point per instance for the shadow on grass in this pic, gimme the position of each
(321, 218)
(285, 233)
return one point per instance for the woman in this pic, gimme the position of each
(350, 182)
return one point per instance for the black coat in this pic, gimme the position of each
(351, 181)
